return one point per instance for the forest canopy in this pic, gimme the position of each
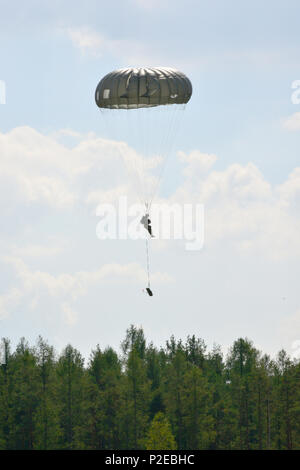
(180, 396)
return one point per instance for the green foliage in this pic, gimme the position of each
(136, 396)
(176, 397)
(70, 396)
(159, 436)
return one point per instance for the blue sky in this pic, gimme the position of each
(242, 58)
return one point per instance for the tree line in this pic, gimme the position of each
(179, 396)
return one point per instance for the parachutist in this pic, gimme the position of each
(146, 222)
(144, 89)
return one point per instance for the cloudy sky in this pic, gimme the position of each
(237, 154)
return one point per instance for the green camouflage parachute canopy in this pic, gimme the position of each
(133, 88)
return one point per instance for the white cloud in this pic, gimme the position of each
(65, 288)
(243, 208)
(42, 170)
(9, 301)
(292, 123)
(86, 39)
(128, 52)
(92, 42)
(240, 205)
(246, 219)
(38, 167)
(243, 212)
(69, 133)
(289, 191)
(108, 197)
(197, 161)
(33, 251)
(69, 315)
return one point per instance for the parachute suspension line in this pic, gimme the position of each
(148, 265)
(169, 142)
(165, 151)
(133, 163)
(139, 90)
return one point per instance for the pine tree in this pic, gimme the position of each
(155, 366)
(241, 363)
(104, 398)
(173, 392)
(285, 392)
(70, 393)
(22, 377)
(136, 392)
(159, 436)
(179, 397)
(197, 403)
(47, 430)
(222, 410)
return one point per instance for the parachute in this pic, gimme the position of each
(143, 88)
(143, 107)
